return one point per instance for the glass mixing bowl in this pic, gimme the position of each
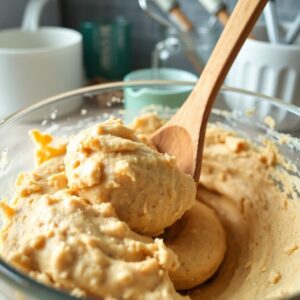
(98, 103)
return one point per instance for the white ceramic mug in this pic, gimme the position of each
(270, 69)
(36, 63)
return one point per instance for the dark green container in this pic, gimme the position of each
(107, 48)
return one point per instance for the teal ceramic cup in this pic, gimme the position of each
(138, 98)
(107, 48)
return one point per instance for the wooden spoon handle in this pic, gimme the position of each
(203, 96)
(223, 16)
(184, 23)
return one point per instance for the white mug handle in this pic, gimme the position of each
(32, 14)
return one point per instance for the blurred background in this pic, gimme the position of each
(119, 37)
(145, 32)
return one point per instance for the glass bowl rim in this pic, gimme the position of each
(134, 84)
(21, 279)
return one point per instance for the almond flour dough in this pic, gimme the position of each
(261, 219)
(109, 163)
(84, 248)
(62, 237)
(198, 239)
(70, 242)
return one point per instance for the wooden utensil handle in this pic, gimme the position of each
(201, 99)
(183, 135)
(181, 19)
(223, 16)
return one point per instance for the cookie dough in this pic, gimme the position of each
(198, 239)
(261, 218)
(78, 243)
(109, 163)
(65, 240)
(84, 248)
(47, 178)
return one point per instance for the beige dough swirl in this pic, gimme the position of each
(72, 239)
(198, 240)
(62, 240)
(109, 163)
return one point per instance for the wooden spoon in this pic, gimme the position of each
(183, 136)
